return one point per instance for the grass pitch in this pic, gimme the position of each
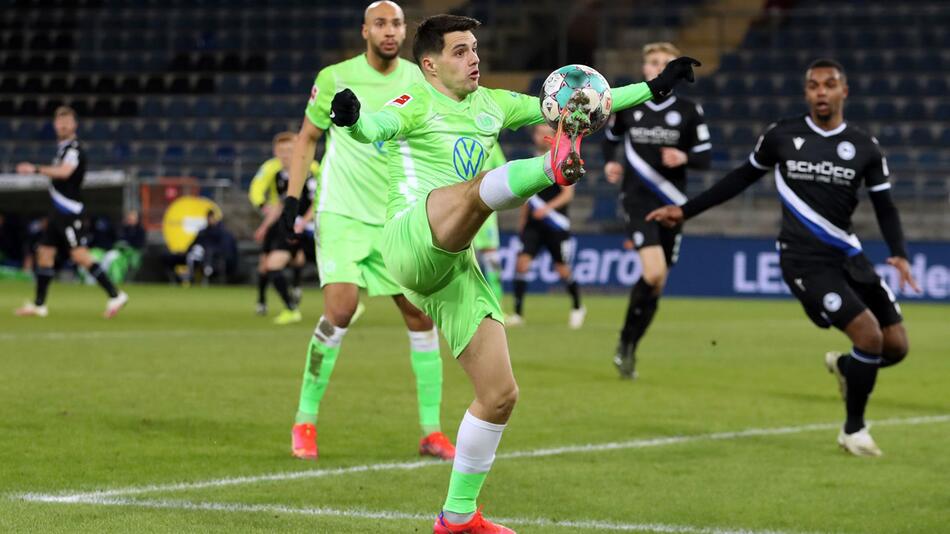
(188, 386)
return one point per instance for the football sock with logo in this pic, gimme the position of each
(860, 369)
(521, 287)
(321, 358)
(640, 312)
(427, 366)
(262, 287)
(43, 277)
(574, 291)
(96, 271)
(280, 284)
(510, 185)
(475, 449)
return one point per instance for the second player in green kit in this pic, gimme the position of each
(351, 209)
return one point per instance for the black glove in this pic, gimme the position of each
(680, 68)
(345, 108)
(288, 217)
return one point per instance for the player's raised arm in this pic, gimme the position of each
(315, 122)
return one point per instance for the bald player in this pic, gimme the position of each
(350, 212)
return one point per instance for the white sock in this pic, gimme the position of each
(476, 444)
(495, 191)
(427, 341)
(329, 335)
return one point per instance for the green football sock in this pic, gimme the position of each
(427, 366)
(527, 176)
(316, 376)
(510, 185)
(463, 492)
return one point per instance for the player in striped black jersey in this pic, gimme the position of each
(64, 229)
(660, 140)
(819, 163)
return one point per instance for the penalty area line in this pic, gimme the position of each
(419, 464)
(386, 515)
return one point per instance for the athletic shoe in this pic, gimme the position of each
(514, 320)
(476, 525)
(626, 361)
(831, 363)
(576, 319)
(304, 441)
(436, 444)
(859, 443)
(31, 310)
(287, 317)
(566, 159)
(115, 304)
(261, 309)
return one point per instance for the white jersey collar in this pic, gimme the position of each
(824, 133)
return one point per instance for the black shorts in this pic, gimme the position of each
(64, 231)
(833, 294)
(276, 239)
(557, 242)
(648, 234)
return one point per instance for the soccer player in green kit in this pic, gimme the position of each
(438, 134)
(351, 208)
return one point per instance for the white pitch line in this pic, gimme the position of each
(356, 513)
(409, 466)
(122, 334)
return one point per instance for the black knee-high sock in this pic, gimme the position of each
(262, 287)
(96, 271)
(574, 291)
(521, 287)
(297, 274)
(43, 277)
(280, 284)
(860, 370)
(640, 312)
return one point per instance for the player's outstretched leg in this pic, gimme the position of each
(487, 364)
(457, 212)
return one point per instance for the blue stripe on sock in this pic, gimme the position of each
(864, 357)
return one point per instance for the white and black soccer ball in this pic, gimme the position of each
(563, 83)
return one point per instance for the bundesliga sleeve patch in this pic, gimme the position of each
(314, 91)
(400, 101)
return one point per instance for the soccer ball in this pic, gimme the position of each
(581, 91)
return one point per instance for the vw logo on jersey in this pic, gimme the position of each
(832, 302)
(486, 123)
(468, 156)
(846, 150)
(673, 118)
(637, 115)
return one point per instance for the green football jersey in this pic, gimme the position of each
(354, 178)
(434, 141)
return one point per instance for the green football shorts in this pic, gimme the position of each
(348, 252)
(448, 286)
(487, 237)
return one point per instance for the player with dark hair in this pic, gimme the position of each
(436, 207)
(266, 193)
(544, 223)
(661, 139)
(820, 162)
(64, 229)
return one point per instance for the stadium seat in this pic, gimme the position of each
(201, 131)
(920, 137)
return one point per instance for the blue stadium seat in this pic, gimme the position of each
(915, 110)
(942, 112)
(898, 160)
(857, 110)
(226, 132)
(605, 208)
(176, 131)
(920, 136)
(177, 108)
(200, 155)
(174, 154)
(121, 152)
(201, 131)
(884, 110)
(146, 153)
(742, 135)
(929, 159)
(936, 86)
(225, 154)
(890, 135)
